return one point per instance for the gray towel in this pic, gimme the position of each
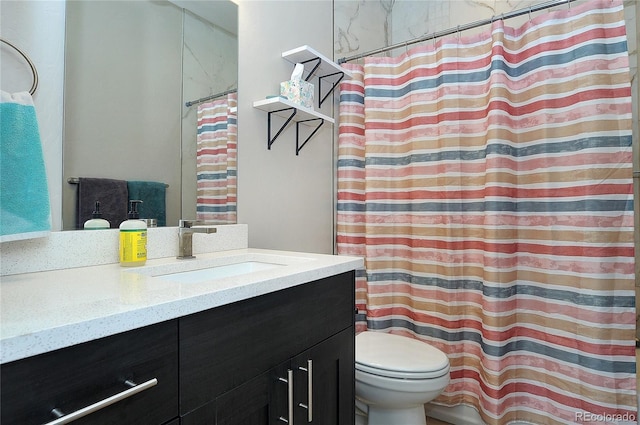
(112, 194)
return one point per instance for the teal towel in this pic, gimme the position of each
(153, 197)
(24, 193)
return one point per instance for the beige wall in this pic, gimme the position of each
(286, 200)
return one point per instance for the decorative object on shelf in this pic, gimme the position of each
(319, 65)
(287, 108)
(296, 89)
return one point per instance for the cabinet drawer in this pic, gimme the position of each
(226, 346)
(76, 377)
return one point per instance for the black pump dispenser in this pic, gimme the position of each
(96, 221)
(96, 212)
(133, 209)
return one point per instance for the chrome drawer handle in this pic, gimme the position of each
(289, 382)
(135, 389)
(309, 405)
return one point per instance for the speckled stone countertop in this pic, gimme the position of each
(48, 310)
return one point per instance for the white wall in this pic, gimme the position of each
(37, 28)
(286, 200)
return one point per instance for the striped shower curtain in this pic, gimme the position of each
(216, 161)
(487, 181)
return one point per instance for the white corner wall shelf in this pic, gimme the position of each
(291, 112)
(315, 63)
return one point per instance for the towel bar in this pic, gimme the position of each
(76, 180)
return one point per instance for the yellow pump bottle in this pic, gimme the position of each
(133, 238)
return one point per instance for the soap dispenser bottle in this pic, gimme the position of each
(133, 238)
(96, 221)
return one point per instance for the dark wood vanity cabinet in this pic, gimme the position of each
(221, 366)
(235, 360)
(264, 399)
(73, 378)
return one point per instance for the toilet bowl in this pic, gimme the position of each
(396, 376)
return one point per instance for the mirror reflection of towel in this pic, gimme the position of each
(112, 194)
(153, 197)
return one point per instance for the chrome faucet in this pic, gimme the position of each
(185, 237)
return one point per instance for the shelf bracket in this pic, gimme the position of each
(300, 146)
(334, 85)
(318, 62)
(270, 140)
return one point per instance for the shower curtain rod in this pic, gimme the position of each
(460, 28)
(213, 96)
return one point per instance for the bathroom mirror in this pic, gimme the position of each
(130, 67)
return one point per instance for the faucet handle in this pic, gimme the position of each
(185, 223)
(190, 223)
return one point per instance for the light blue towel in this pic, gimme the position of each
(24, 194)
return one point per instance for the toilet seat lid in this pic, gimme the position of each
(398, 356)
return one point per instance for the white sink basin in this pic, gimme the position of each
(218, 272)
(217, 267)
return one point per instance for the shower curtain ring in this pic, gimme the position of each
(458, 32)
(529, 13)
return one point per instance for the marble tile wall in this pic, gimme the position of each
(365, 25)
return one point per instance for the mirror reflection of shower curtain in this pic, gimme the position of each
(487, 181)
(216, 161)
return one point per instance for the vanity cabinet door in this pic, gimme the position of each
(327, 370)
(73, 378)
(260, 401)
(223, 348)
(322, 385)
(247, 404)
(324, 382)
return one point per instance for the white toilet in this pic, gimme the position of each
(395, 377)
